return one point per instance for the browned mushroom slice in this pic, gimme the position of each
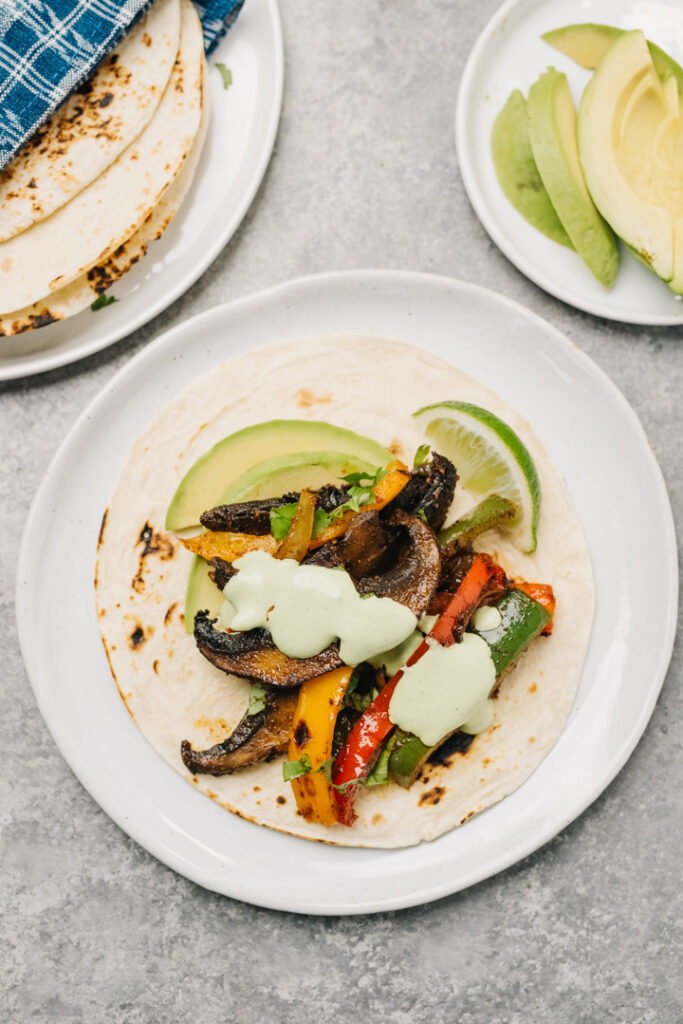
(253, 655)
(245, 516)
(413, 579)
(254, 516)
(429, 490)
(257, 738)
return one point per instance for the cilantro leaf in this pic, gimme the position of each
(295, 769)
(379, 776)
(257, 700)
(101, 301)
(226, 75)
(421, 455)
(421, 514)
(321, 520)
(326, 768)
(281, 520)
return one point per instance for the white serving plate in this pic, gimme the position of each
(612, 477)
(510, 54)
(240, 139)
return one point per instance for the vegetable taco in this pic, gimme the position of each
(343, 592)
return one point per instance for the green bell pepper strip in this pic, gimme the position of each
(492, 512)
(522, 619)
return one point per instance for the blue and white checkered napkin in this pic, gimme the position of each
(47, 47)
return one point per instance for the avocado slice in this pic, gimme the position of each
(587, 44)
(552, 131)
(517, 173)
(630, 140)
(203, 484)
(269, 479)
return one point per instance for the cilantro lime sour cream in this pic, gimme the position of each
(307, 607)
(446, 689)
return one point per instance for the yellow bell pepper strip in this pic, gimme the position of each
(395, 479)
(298, 537)
(228, 546)
(319, 703)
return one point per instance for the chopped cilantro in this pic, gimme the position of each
(103, 300)
(379, 776)
(326, 768)
(281, 520)
(295, 769)
(226, 75)
(321, 520)
(421, 514)
(257, 700)
(421, 456)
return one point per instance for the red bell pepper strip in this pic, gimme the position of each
(358, 753)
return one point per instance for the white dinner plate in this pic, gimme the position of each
(510, 54)
(240, 139)
(602, 453)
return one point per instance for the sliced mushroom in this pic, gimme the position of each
(430, 490)
(256, 738)
(252, 655)
(413, 579)
(254, 516)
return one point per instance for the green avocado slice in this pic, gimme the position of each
(552, 131)
(205, 482)
(588, 43)
(517, 173)
(269, 479)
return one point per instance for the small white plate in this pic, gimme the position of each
(619, 495)
(240, 139)
(510, 54)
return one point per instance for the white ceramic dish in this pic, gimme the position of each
(510, 54)
(569, 402)
(241, 135)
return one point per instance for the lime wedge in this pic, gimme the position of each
(490, 459)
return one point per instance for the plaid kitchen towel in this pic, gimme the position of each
(48, 47)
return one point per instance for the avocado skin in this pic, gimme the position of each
(517, 173)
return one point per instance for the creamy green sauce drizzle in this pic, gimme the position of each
(486, 618)
(307, 607)
(447, 688)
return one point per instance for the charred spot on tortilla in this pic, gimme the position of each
(103, 524)
(169, 613)
(458, 743)
(155, 666)
(136, 638)
(432, 796)
(153, 543)
(281, 799)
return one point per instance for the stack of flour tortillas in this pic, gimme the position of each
(103, 177)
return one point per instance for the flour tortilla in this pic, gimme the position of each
(94, 125)
(173, 693)
(83, 232)
(80, 294)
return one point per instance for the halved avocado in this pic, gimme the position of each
(552, 131)
(517, 173)
(587, 44)
(203, 484)
(269, 479)
(631, 145)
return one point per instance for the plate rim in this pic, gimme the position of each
(487, 219)
(46, 360)
(517, 852)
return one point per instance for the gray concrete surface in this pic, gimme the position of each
(585, 931)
